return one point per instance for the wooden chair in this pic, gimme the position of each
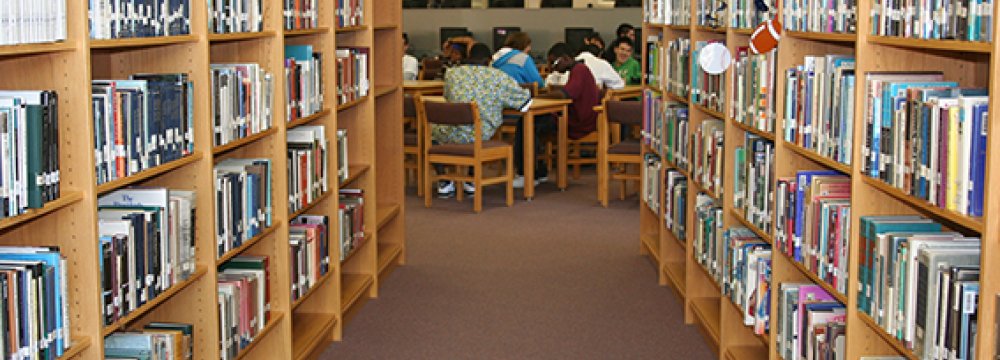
(431, 69)
(625, 153)
(413, 149)
(461, 156)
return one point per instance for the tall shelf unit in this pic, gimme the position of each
(971, 64)
(296, 329)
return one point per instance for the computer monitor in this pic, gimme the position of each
(575, 36)
(450, 32)
(500, 35)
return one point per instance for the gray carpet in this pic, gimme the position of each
(556, 278)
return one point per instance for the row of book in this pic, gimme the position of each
(927, 137)
(675, 203)
(667, 12)
(303, 81)
(147, 245)
(29, 150)
(343, 172)
(242, 201)
(307, 165)
(707, 235)
(746, 14)
(244, 294)
(309, 251)
(819, 105)
(655, 61)
(813, 223)
(678, 67)
(352, 221)
(34, 308)
(301, 14)
(967, 20)
(156, 340)
(834, 16)
(352, 74)
(350, 13)
(141, 123)
(32, 21)
(651, 181)
(235, 16)
(122, 19)
(920, 283)
(746, 276)
(711, 13)
(753, 186)
(753, 101)
(707, 90)
(242, 99)
(708, 152)
(810, 323)
(665, 128)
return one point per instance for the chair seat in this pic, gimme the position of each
(410, 138)
(625, 148)
(463, 149)
(510, 120)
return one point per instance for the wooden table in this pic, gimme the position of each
(627, 92)
(424, 87)
(558, 107)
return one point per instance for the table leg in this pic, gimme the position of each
(563, 144)
(529, 155)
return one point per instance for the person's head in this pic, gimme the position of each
(456, 52)
(559, 57)
(594, 39)
(626, 30)
(592, 49)
(623, 50)
(406, 43)
(518, 40)
(479, 54)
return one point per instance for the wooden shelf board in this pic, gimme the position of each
(310, 205)
(308, 119)
(80, 343)
(743, 31)
(676, 273)
(736, 214)
(368, 237)
(708, 276)
(387, 253)
(385, 212)
(354, 172)
(707, 311)
(312, 290)
(891, 340)
(828, 37)
(67, 198)
(968, 222)
(704, 190)
(148, 173)
(307, 32)
(820, 159)
(747, 352)
(710, 112)
(240, 36)
(681, 99)
(142, 42)
(245, 245)
(350, 29)
(679, 27)
(652, 244)
(149, 305)
(352, 287)
(232, 145)
(717, 30)
(385, 89)
(676, 240)
(386, 27)
(352, 103)
(816, 279)
(924, 44)
(672, 166)
(763, 338)
(753, 130)
(308, 332)
(31, 49)
(271, 325)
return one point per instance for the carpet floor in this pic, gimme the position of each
(556, 278)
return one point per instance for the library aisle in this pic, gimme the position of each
(559, 277)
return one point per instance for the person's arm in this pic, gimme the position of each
(610, 78)
(512, 95)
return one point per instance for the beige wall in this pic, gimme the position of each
(544, 25)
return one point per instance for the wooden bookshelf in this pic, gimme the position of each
(34, 49)
(945, 45)
(307, 32)
(828, 37)
(69, 197)
(148, 173)
(819, 159)
(276, 317)
(235, 144)
(153, 303)
(218, 38)
(354, 285)
(142, 42)
(310, 332)
(308, 119)
(753, 130)
(246, 244)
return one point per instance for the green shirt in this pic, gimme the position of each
(630, 71)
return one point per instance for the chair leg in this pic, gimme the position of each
(477, 182)
(419, 174)
(624, 184)
(510, 178)
(428, 192)
(602, 181)
(459, 194)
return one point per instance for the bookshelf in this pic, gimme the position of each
(295, 329)
(970, 64)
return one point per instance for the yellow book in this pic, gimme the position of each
(951, 197)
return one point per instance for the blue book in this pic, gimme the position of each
(978, 169)
(804, 179)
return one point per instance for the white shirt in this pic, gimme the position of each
(604, 73)
(410, 67)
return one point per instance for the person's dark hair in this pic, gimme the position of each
(595, 36)
(622, 40)
(518, 40)
(479, 54)
(623, 29)
(559, 49)
(593, 49)
(406, 39)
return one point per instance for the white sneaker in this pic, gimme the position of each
(469, 188)
(519, 181)
(446, 189)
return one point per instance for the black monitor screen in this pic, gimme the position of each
(575, 36)
(450, 32)
(500, 35)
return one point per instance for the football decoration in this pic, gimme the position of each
(765, 37)
(714, 58)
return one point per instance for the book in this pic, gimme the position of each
(122, 19)
(752, 99)
(38, 22)
(29, 150)
(244, 302)
(810, 323)
(155, 341)
(711, 13)
(303, 81)
(707, 90)
(235, 16)
(352, 221)
(707, 236)
(962, 20)
(242, 201)
(307, 165)
(747, 14)
(309, 250)
(352, 74)
(655, 61)
(753, 188)
(343, 165)
(819, 106)
(242, 99)
(746, 276)
(301, 14)
(678, 67)
(667, 12)
(837, 16)
(707, 148)
(651, 175)
(675, 203)
(349, 13)
(35, 304)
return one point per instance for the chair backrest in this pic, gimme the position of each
(432, 69)
(532, 87)
(409, 106)
(624, 112)
(445, 113)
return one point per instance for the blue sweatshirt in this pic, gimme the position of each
(518, 65)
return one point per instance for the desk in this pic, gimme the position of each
(627, 92)
(424, 87)
(560, 107)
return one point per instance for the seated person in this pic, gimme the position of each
(491, 89)
(604, 74)
(453, 54)
(410, 65)
(626, 66)
(595, 39)
(514, 60)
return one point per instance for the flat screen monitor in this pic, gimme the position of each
(575, 36)
(500, 35)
